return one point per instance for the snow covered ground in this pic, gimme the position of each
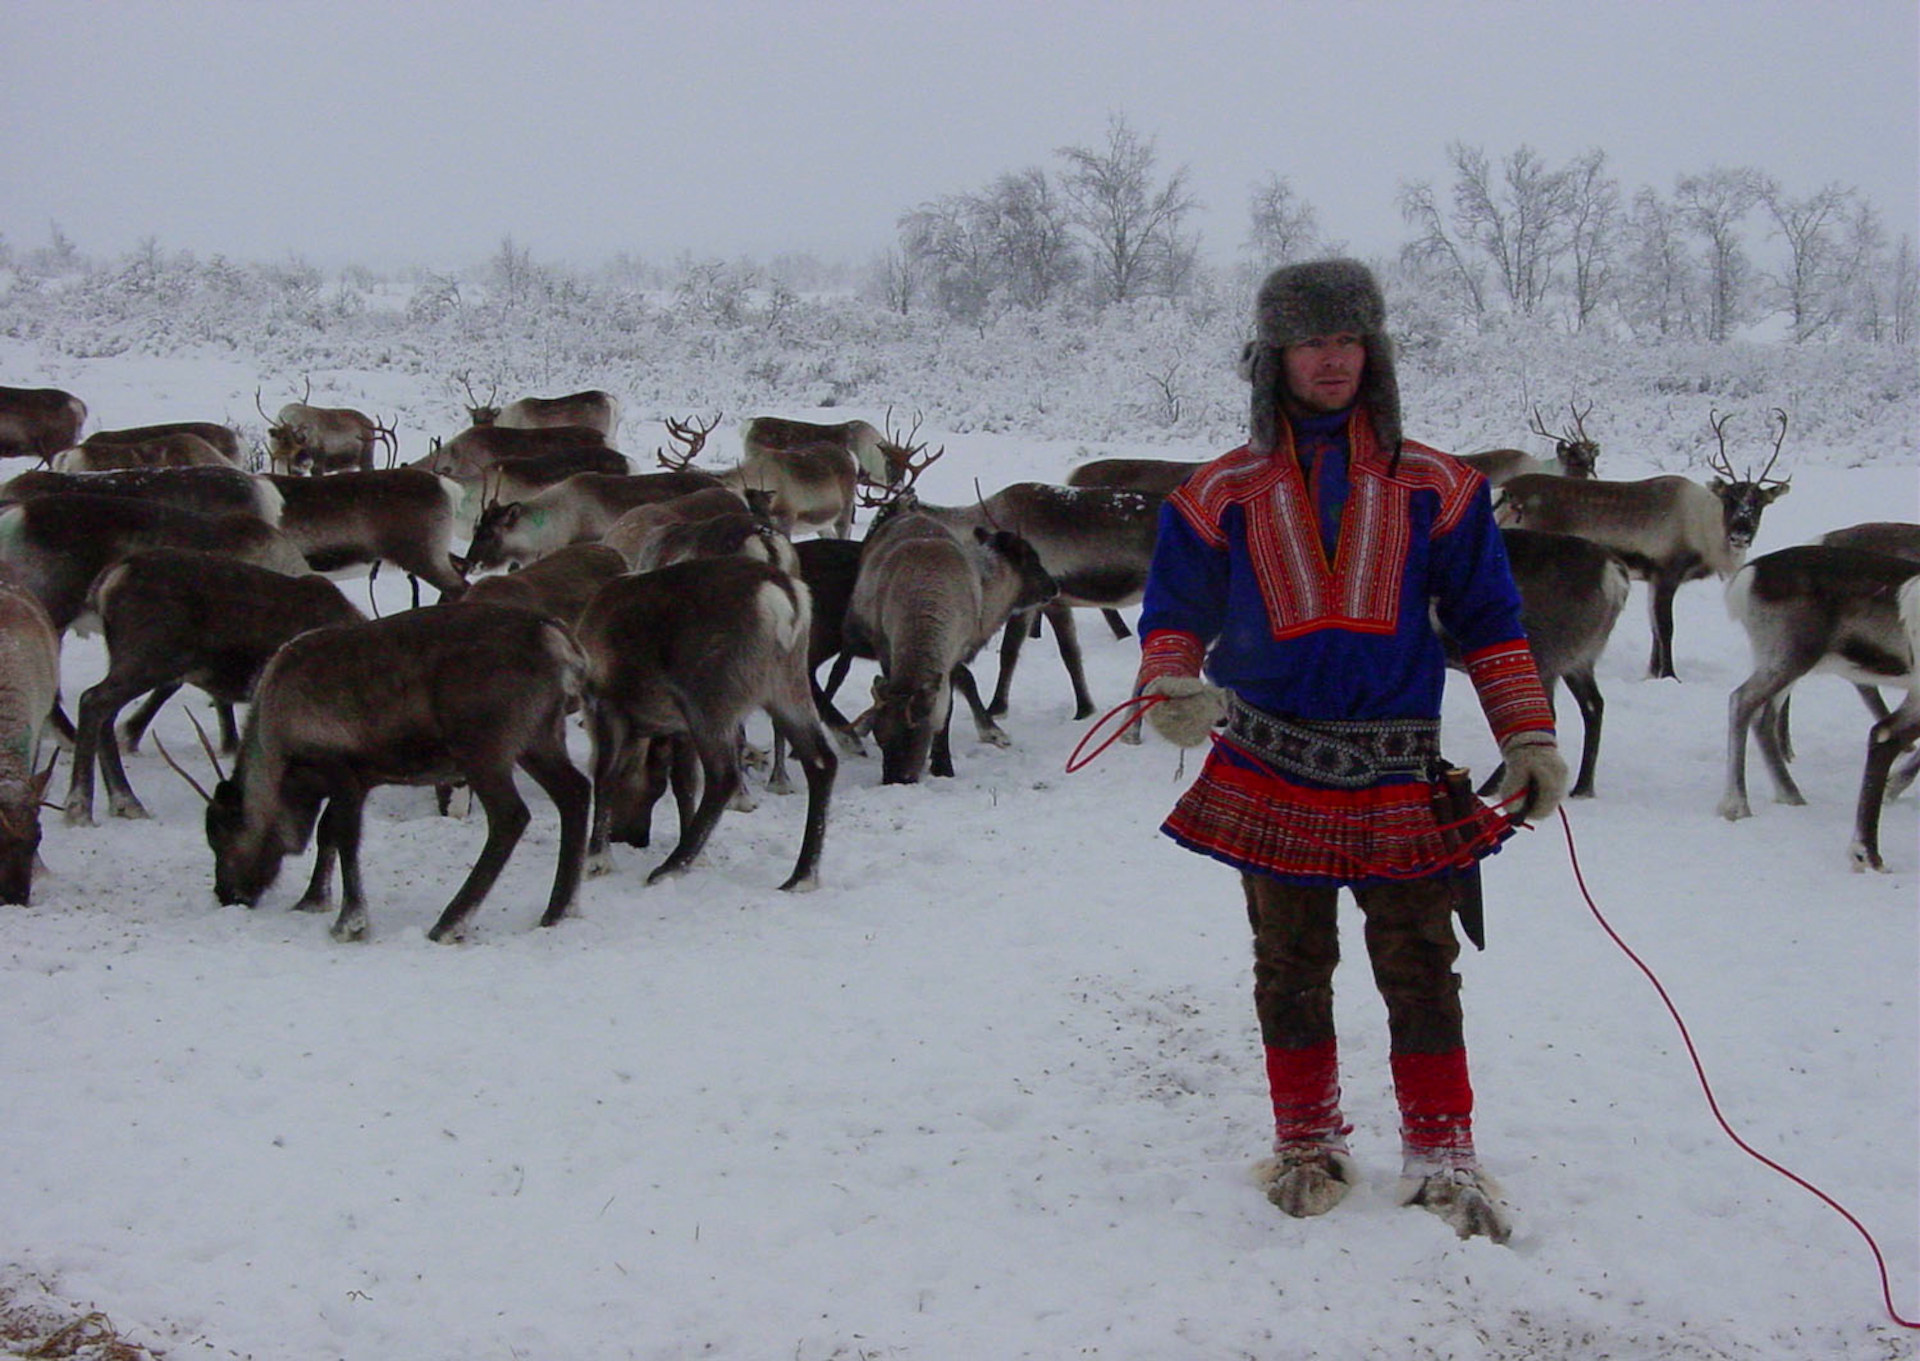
(995, 1089)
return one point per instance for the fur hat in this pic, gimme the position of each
(1320, 298)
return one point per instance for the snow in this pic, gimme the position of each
(994, 1090)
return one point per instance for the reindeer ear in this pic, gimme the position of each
(1775, 493)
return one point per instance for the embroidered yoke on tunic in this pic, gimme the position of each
(1241, 584)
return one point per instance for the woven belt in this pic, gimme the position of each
(1344, 754)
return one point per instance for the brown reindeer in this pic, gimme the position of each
(1819, 608)
(222, 437)
(1574, 453)
(306, 440)
(39, 422)
(689, 651)
(1668, 530)
(174, 617)
(29, 682)
(434, 696)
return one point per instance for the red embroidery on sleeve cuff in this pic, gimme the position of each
(1168, 652)
(1508, 684)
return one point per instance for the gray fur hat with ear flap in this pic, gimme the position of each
(1319, 298)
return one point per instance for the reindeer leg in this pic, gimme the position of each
(1117, 622)
(815, 754)
(1660, 601)
(983, 724)
(91, 740)
(721, 773)
(507, 819)
(1747, 701)
(1586, 695)
(1011, 639)
(137, 723)
(612, 764)
(572, 794)
(1066, 636)
(1889, 737)
(340, 833)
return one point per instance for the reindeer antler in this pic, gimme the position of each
(1720, 463)
(1780, 415)
(181, 770)
(691, 436)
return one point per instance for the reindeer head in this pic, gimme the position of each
(1744, 499)
(1576, 451)
(20, 833)
(286, 440)
(900, 452)
(479, 412)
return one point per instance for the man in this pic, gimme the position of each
(1298, 571)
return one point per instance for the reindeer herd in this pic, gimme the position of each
(668, 607)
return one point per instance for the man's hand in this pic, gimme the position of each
(1534, 765)
(1186, 717)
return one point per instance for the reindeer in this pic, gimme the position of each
(29, 683)
(812, 485)
(690, 650)
(1574, 453)
(435, 696)
(925, 602)
(653, 535)
(592, 408)
(207, 490)
(181, 449)
(39, 422)
(221, 437)
(1819, 608)
(881, 459)
(1158, 477)
(174, 617)
(1571, 593)
(306, 440)
(558, 585)
(581, 508)
(399, 515)
(1668, 530)
(1097, 544)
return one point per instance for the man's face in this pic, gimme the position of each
(1323, 373)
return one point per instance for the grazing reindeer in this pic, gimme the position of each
(434, 696)
(29, 681)
(1097, 544)
(1816, 608)
(174, 617)
(581, 508)
(1574, 453)
(925, 602)
(1571, 593)
(1668, 530)
(690, 650)
(306, 440)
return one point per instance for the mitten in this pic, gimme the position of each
(1186, 717)
(1533, 764)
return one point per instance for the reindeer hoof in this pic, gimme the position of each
(78, 815)
(351, 926)
(133, 810)
(598, 866)
(319, 905)
(1733, 809)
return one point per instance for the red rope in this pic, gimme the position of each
(1886, 1288)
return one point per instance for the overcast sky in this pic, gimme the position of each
(425, 132)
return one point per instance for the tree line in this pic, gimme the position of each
(1507, 236)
